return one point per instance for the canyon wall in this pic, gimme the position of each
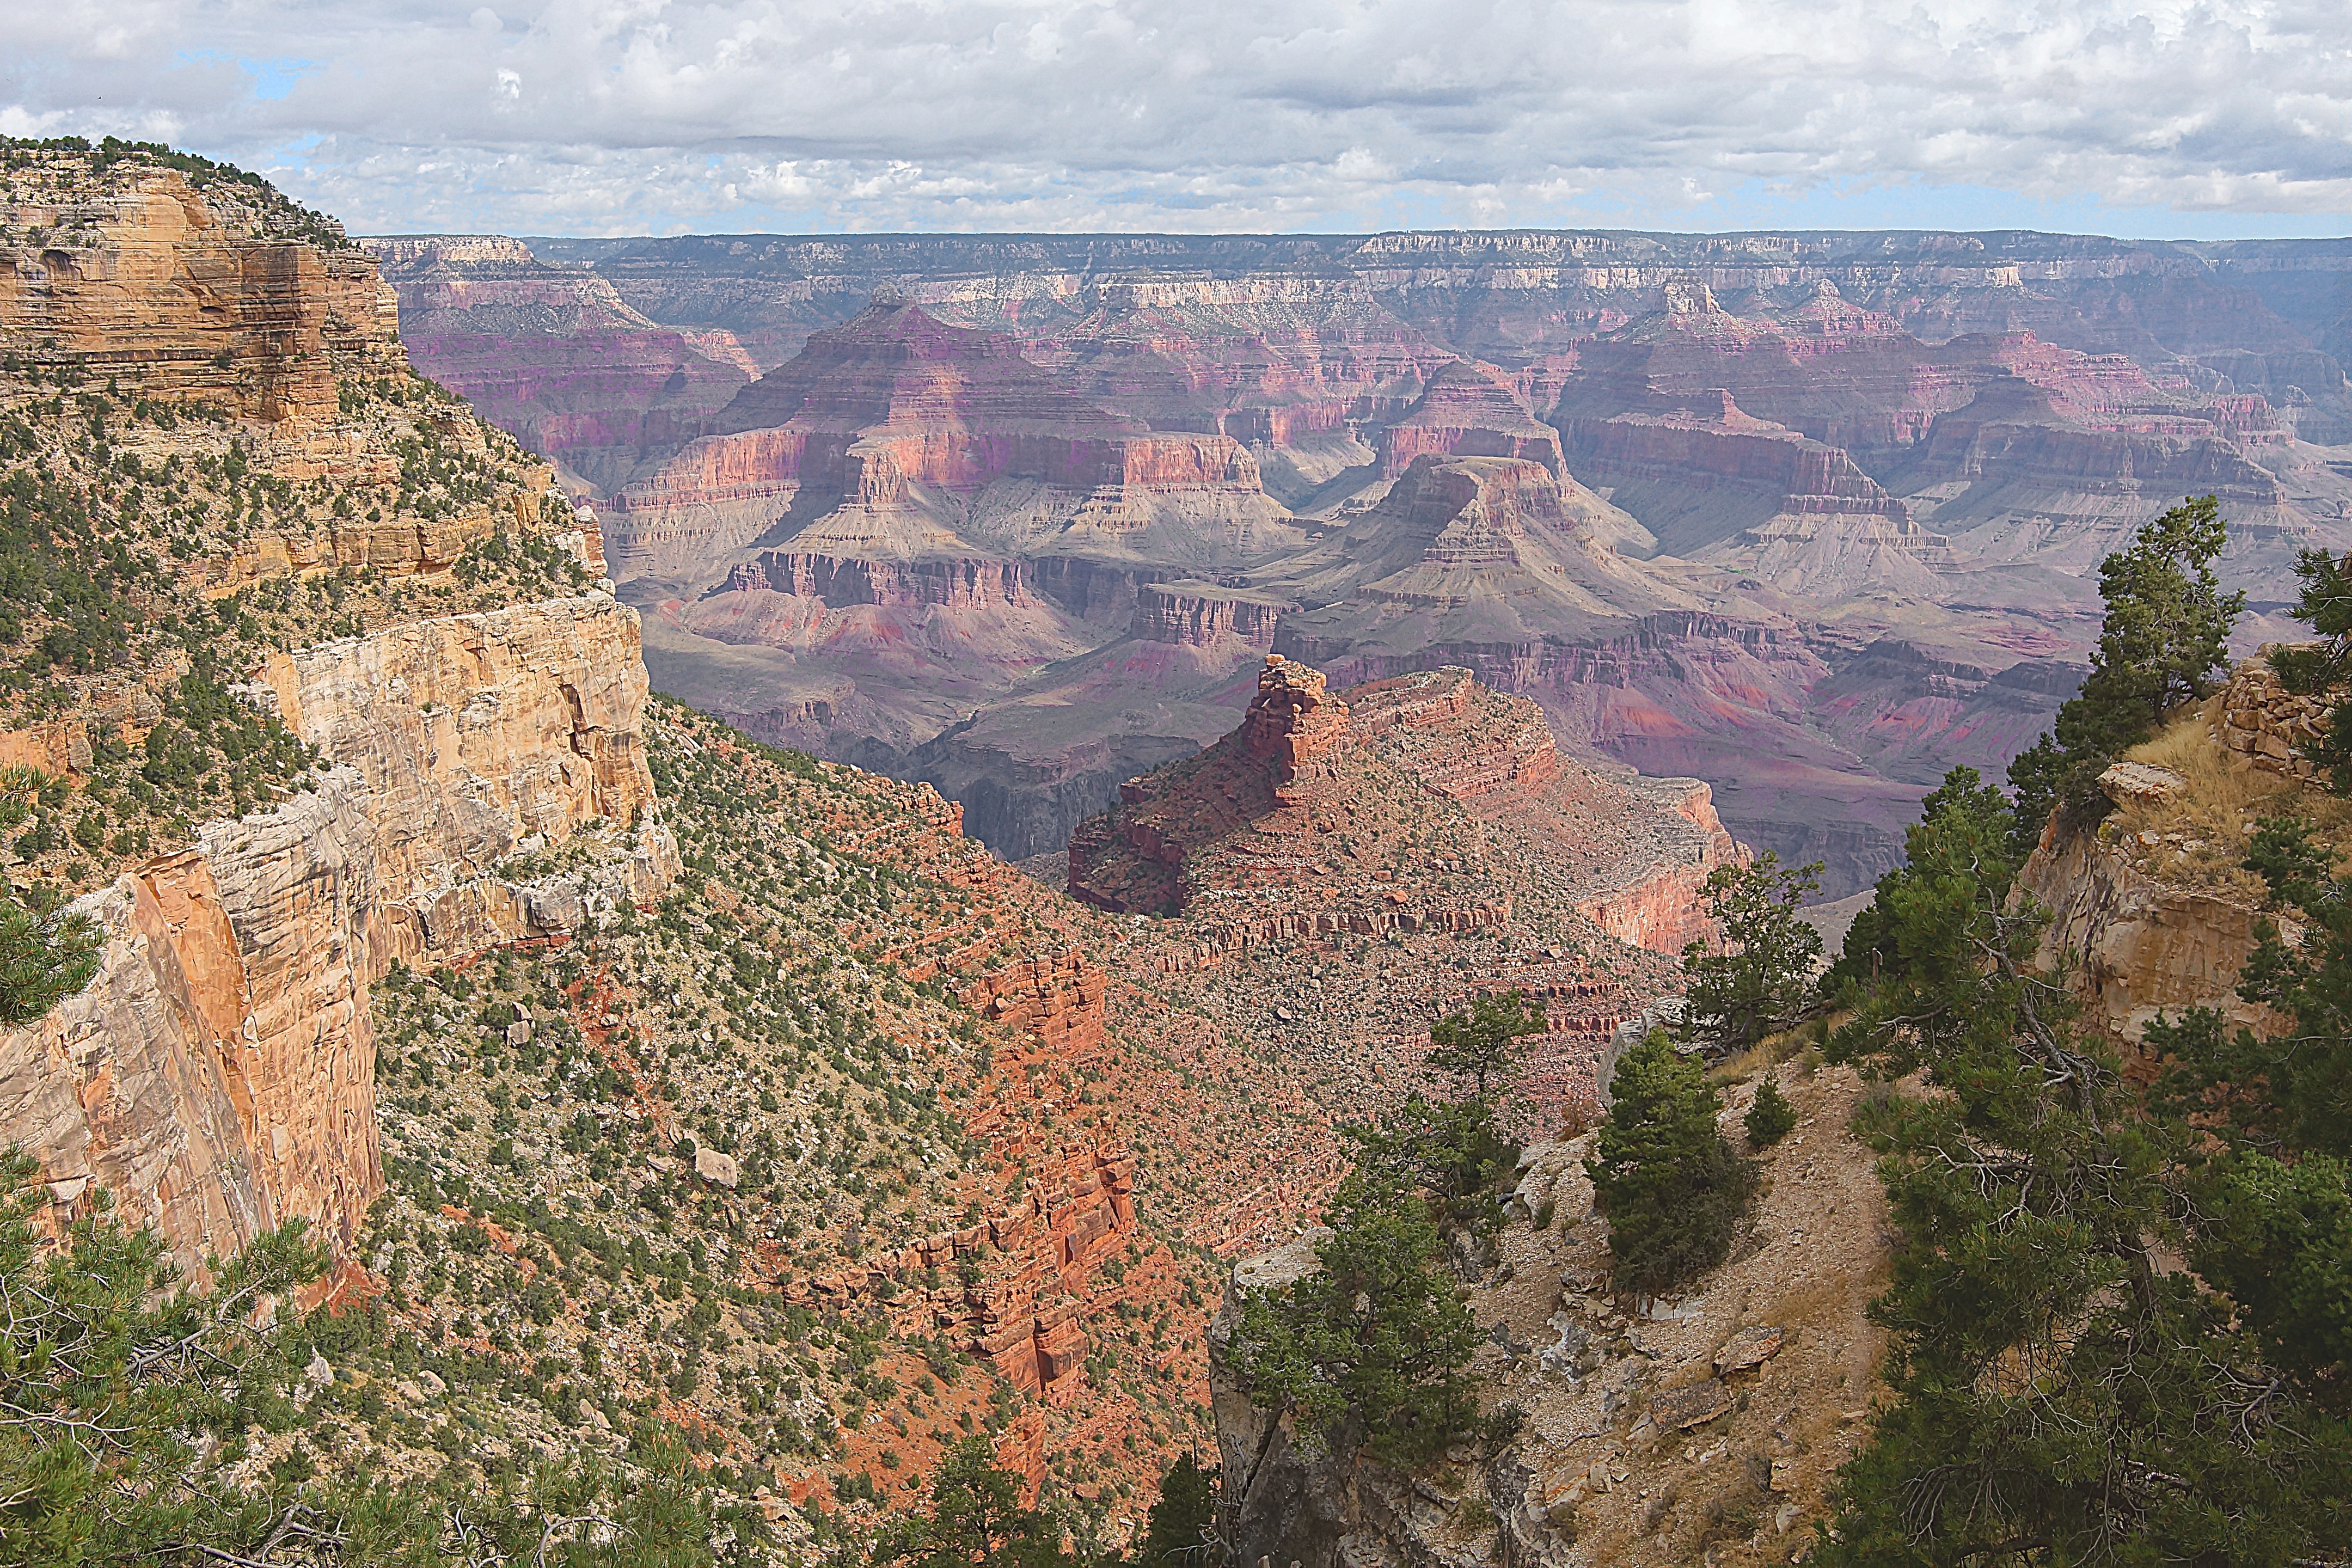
(217, 1077)
(215, 295)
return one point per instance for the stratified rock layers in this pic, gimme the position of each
(217, 1077)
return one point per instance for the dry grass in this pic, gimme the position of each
(2198, 838)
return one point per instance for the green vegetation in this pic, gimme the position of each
(1369, 1348)
(283, 217)
(2165, 639)
(134, 1406)
(1761, 981)
(2326, 670)
(1482, 1041)
(976, 1520)
(2062, 1394)
(1451, 1152)
(1673, 1188)
(1771, 1117)
(42, 960)
(1181, 1530)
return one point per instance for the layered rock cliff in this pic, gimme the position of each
(445, 778)
(1320, 814)
(224, 293)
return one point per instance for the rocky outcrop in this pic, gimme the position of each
(1749, 469)
(1708, 1426)
(2134, 945)
(1293, 722)
(1056, 1000)
(1468, 411)
(217, 1077)
(2268, 725)
(1203, 615)
(1656, 903)
(215, 296)
(893, 408)
(902, 584)
(1424, 802)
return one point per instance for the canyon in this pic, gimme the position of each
(653, 1088)
(578, 889)
(1824, 514)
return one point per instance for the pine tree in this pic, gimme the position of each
(1771, 1117)
(1481, 1040)
(2324, 670)
(976, 1520)
(1672, 1185)
(1181, 1530)
(2061, 1396)
(1760, 981)
(2165, 639)
(42, 961)
(1369, 1348)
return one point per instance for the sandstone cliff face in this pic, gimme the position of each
(217, 1077)
(209, 295)
(1469, 411)
(2137, 947)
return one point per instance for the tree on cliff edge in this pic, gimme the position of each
(2165, 639)
(2064, 1390)
(42, 961)
(2324, 672)
(1369, 1348)
(1481, 1040)
(1761, 980)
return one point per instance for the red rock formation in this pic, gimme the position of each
(1319, 817)
(1293, 722)
(1469, 411)
(1057, 1000)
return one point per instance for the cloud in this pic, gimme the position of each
(635, 116)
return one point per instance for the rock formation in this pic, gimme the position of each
(1831, 444)
(1425, 802)
(1651, 1433)
(216, 1077)
(216, 294)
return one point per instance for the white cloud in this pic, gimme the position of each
(662, 115)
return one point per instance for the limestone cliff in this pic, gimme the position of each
(217, 1077)
(312, 558)
(224, 293)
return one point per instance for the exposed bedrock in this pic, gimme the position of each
(217, 1077)
(840, 582)
(196, 296)
(1420, 803)
(1697, 476)
(1469, 411)
(1203, 615)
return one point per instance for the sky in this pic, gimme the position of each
(2224, 118)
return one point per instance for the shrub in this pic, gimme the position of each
(1673, 1187)
(1771, 1117)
